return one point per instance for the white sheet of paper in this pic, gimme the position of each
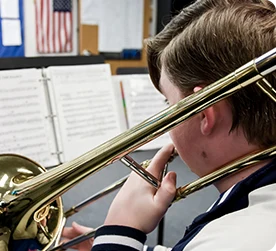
(11, 32)
(142, 102)
(121, 26)
(133, 23)
(85, 107)
(9, 8)
(120, 23)
(121, 109)
(23, 127)
(112, 27)
(91, 12)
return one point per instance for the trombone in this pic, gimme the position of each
(33, 195)
(182, 192)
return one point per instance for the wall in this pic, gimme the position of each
(29, 30)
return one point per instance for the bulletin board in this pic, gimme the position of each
(88, 40)
(13, 51)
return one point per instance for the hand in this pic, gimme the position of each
(69, 233)
(138, 204)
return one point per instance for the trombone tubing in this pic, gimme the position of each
(182, 192)
(58, 180)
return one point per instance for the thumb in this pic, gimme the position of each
(80, 229)
(166, 191)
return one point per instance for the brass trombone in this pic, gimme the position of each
(31, 197)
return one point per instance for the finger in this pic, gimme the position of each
(79, 229)
(66, 240)
(68, 232)
(159, 161)
(167, 190)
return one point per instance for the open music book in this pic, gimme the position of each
(55, 114)
(140, 101)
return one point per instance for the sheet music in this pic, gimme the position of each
(85, 107)
(142, 102)
(23, 127)
(120, 104)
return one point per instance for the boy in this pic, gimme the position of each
(206, 41)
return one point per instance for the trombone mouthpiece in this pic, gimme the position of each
(173, 155)
(147, 162)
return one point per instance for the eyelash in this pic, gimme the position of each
(166, 102)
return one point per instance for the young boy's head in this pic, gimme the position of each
(210, 39)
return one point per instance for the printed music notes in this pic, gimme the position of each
(141, 101)
(24, 128)
(85, 107)
(56, 114)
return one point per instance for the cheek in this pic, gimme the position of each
(180, 137)
(186, 139)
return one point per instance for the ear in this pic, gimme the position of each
(207, 118)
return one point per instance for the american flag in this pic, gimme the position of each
(53, 26)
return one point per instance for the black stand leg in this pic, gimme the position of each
(160, 232)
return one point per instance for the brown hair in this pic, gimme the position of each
(208, 40)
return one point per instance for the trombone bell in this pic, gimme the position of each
(42, 224)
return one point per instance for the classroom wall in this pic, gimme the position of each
(29, 30)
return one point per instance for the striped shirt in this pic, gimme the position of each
(243, 218)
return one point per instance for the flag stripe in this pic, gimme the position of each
(42, 25)
(69, 29)
(65, 33)
(50, 23)
(54, 34)
(59, 32)
(53, 26)
(48, 26)
(37, 27)
(70, 32)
